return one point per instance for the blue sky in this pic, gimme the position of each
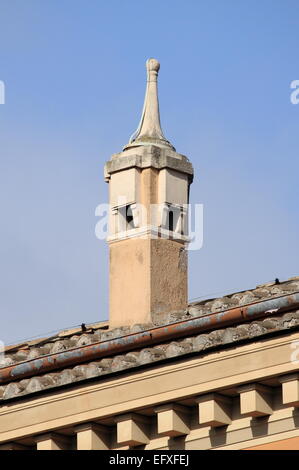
(74, 73)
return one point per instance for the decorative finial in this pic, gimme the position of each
(152, 65)
(149, 131)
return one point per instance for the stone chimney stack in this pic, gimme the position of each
(148, 195)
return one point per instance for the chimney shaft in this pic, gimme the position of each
(148, 194)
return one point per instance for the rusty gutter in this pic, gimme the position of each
(157, 335)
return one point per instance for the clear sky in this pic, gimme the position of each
(74, 72)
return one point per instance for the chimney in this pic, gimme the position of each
(148, 195)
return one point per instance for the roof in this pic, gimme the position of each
(74, 356)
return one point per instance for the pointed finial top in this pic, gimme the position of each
(152, 65)
(149, 131)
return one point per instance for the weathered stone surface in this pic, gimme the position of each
(195, 311)
(20, 356)
(106, 335)
(220, 305)
(147, 356)
(288, 321)
(132, 356)
(262, 293)
(65, 377)
(45, 349)
(34, 385)
(47, 380)
(58, 346)
(229, 335)
(287, 316)
(23, 383)
(11, 390)
(85, 339)
(216, 337)
(156, 158)
(200, 342)
(79, 371)
(6, 361)
(92, 370)
(119, 363)
(151, 354)
(248, 298)
(97, 336)
(33, 353)
(118, 332)
(186, 344)
(176, 316)
(256, 329)
(141, 327)
(283, 288)
(174, 349)
(106, 363)
(241, 331)
(159, 350)
(64, 342)
(270, 323)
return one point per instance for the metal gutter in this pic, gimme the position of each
(149, 337)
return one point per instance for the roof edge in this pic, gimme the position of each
(156, 335)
